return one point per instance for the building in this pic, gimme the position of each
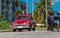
(23, 7)
(8, 7)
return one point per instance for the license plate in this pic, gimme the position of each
(20, 26)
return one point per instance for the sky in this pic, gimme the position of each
(57, 0)
(30, 5)
(55, 7)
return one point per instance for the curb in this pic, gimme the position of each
(42, 29)
(12, 31)
(5, 31)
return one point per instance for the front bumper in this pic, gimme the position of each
(20, 26)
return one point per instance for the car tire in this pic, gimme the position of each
(14, 30)
(57, 29)
(20, 30)
(33, 29)
(47, 28)
(29, 29)
(52, 30)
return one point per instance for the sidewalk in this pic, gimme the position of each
(5, 30)
(11, 30)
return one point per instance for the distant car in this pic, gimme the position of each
(23, 22)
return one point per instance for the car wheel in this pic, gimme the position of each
(33, 29)
(48, 28)
(20, 30)
(57, 29)
(29, 29)
(52, 29)
(14, 30)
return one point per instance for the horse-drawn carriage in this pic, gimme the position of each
(55, 24)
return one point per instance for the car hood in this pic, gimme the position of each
(21, 21)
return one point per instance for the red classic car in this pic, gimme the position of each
(23, 22)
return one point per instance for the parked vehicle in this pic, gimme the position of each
(57, 23)
(23, 21)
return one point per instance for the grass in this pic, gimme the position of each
(40, 28)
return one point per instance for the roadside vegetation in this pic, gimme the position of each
(39, 14)
(5, 25)
(40, 27)
(40, 11)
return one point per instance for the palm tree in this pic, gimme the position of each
(17, 12)
(41, 8)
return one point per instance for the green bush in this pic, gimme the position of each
(4, 25)
(0, 17)
(39, 27)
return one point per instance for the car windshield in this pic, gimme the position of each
(23, 18)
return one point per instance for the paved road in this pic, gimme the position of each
(36, 34)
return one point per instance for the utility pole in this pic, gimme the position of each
(27, 7)
(46, 13)
(0, 6)
(32, 7)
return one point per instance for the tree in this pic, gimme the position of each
(0, 17)
(41, 8)
(17, 12)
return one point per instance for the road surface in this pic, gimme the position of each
(31, 34)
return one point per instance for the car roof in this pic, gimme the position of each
(23, 15)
